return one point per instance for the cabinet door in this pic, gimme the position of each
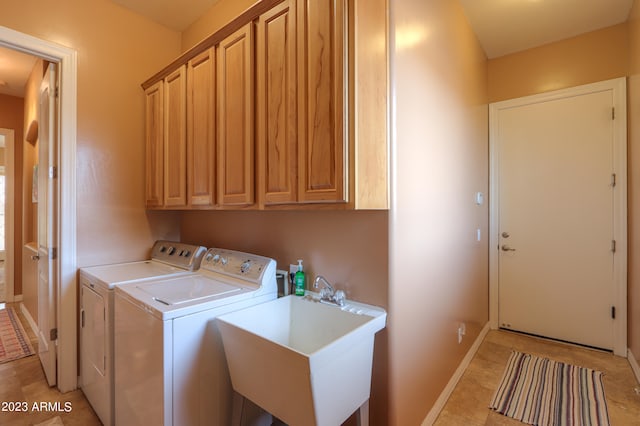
(201, 118)
(235, 119)
(322, 100)
(276, 105)
(154, 145)
(175, 135)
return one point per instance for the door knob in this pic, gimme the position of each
(507, 248)
(35, 257)
(505, 235)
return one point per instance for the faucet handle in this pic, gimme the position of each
(326, 293)
(339, 297)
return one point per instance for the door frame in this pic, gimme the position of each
(9, 172)
(618, 87)
(66, 321)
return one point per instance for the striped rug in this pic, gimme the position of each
(543, 392)
(14, 342)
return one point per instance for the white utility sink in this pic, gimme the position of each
(303, 361)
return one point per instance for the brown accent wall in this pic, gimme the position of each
(11, 117)
(439, 272)
(587, 58)
(117, 51)
(633, 201)
(349, 248)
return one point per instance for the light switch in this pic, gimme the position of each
(479, 198)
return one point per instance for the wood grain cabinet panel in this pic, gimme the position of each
(235, 119)
(201, 138)
(154, 145)
(276, 126)
(322, 100)
(175, 135)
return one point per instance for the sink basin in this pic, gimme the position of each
(303, 361)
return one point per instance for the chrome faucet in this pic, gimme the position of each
(327, 293)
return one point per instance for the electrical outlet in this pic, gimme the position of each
(293, 268)
(462, 330)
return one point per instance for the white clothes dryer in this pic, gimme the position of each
(96, 314)
(169, 359)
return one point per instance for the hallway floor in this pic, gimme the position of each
(23, 380)
(468, 404)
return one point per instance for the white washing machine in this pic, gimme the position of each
(96, 314)
(169, 359)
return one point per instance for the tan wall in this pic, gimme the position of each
(220, 14)
(349, 248)
(439, 272)
(634, 181)
(11, 117)
(595, 56)
(117, 50)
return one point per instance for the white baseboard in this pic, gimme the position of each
(634, 364)
(446, 393)
(32, 323)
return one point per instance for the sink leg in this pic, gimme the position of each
(236, 413)
(362, 415)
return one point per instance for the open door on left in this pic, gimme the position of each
(47, 220)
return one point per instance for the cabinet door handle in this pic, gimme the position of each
(35, 257)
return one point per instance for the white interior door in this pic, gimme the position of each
(47, 219)
(555, 217)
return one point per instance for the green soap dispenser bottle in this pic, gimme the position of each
(299, 280)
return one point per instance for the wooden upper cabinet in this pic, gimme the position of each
(201, 138)
(321, 100)
(154, 145)
(175, 146)
(276, 124)
(235, 144)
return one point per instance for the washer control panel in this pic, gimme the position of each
(235, 263)
(186, 256)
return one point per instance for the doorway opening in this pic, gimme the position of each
(7, 253)
(65, 276)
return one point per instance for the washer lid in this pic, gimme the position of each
(118, 273)
(189, 289)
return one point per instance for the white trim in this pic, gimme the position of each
(17, 298)
(67, 291)
(618, 87)
(446, 393)
(30, 320)
(634, 365)
(9, 214)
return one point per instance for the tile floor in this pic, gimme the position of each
(23, 380)
(468, 403)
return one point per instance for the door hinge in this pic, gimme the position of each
(82, 318)
(613, 312)
(613, 246)
(613, 113)
(613, 179)
(53, 172)
(53, 253)
(53, 334)
(56, 92)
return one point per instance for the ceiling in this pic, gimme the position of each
(15, 68)
(502, 26)
(508, 26)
